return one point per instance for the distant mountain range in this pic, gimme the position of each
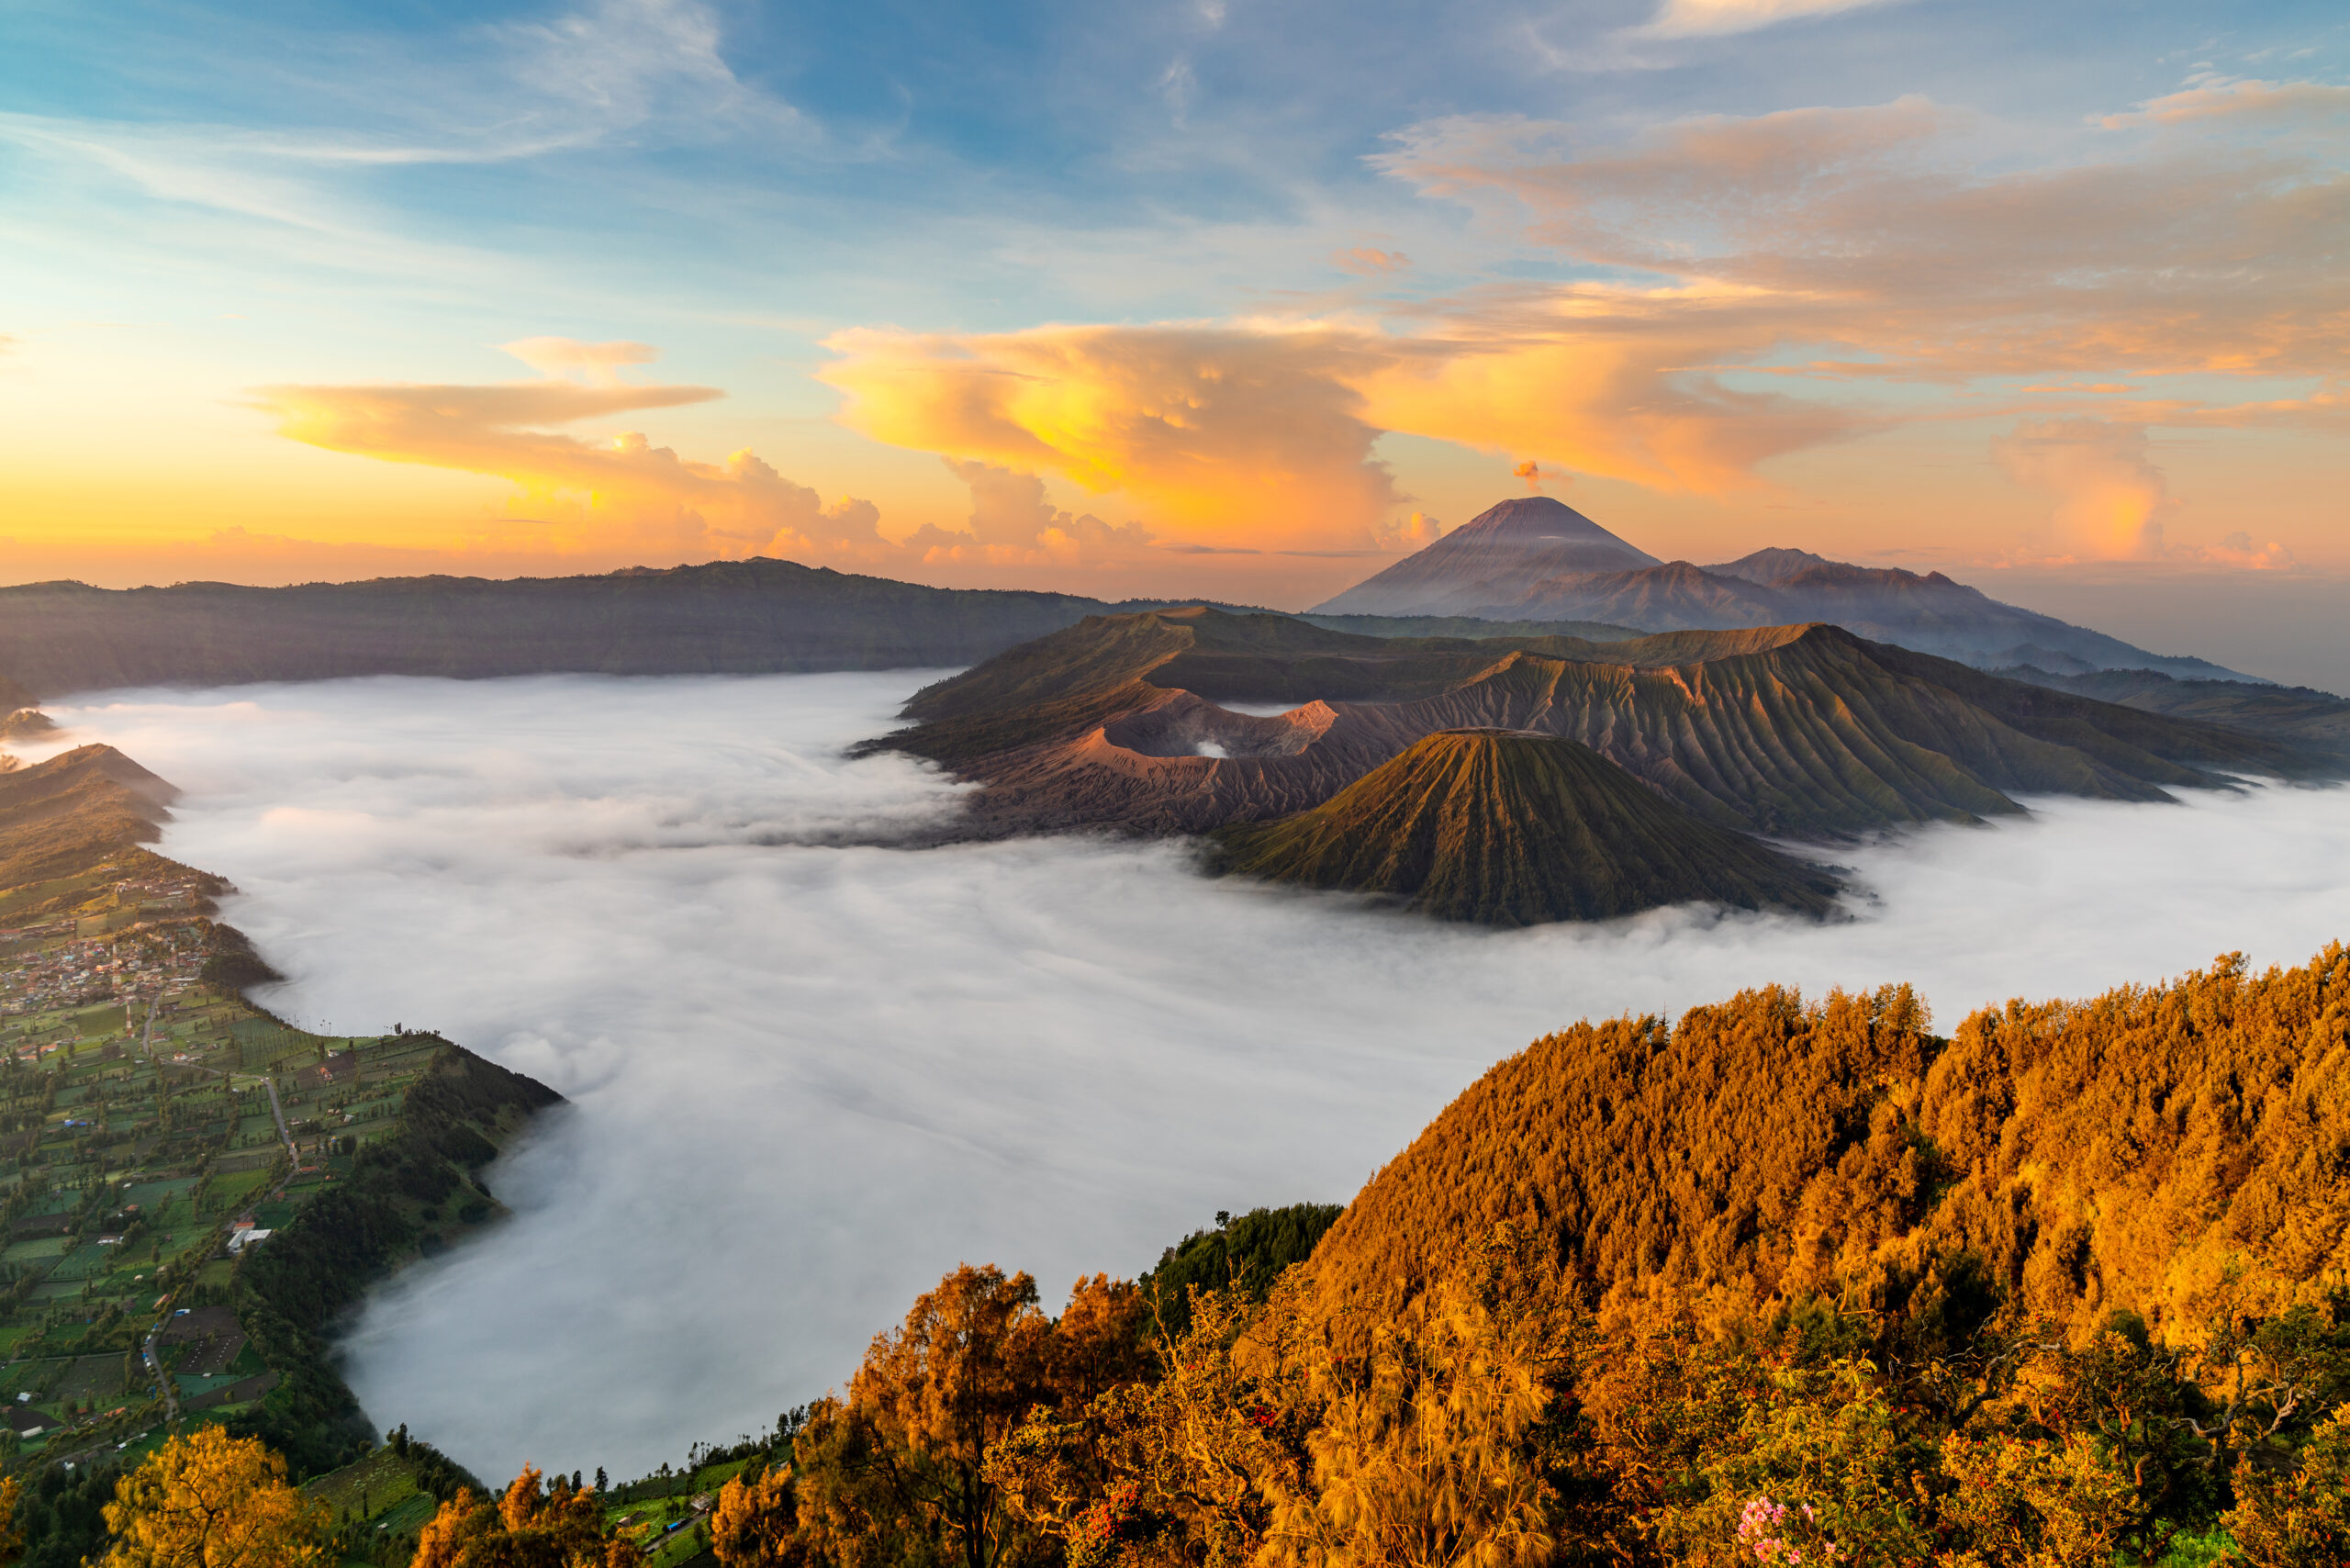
(1540, 559)
(729, 616)
(1803, 732)
(726, 617)
(1529, 567)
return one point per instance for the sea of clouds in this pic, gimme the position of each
(809, 1079)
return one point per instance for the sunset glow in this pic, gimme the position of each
(567, 288)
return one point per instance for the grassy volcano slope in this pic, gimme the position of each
(1506, 828)
(60, 816)
(2071, 1158)
(1813, 732)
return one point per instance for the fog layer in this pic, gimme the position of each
(808, 1080)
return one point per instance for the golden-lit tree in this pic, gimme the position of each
(756, 1521)
(1433, 1434)
(896, 1472)
(530, 1525)
(2297, 1516)
(208, 1500)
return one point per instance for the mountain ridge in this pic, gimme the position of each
(1497, 573)
(1803, 732)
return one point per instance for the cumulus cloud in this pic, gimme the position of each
(620, 490)
(808, 1080)
(1264, 435)
(1229, 435)
(1414, 532)
(2112, 501)
(1013, 523)
(2241, 550)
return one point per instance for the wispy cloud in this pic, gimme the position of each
(1873, 228)
(1713, 19)
(611, 72)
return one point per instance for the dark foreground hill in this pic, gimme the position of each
(1804, 731)
(1534, 558)
(69, 813)
(2069, 1158)
(1506, 828)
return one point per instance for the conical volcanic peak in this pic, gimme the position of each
(1508, 827)
(1492, 558)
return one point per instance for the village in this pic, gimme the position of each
(156, 1129)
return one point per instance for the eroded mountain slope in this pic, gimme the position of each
(1803, 729)
(1508, 828)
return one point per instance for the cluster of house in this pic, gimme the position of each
(82, 959)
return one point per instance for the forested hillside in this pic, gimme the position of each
(2064, 1159)
(1782, 1281)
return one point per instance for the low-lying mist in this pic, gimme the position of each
(808, 1080)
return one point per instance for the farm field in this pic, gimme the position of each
(158, 1135)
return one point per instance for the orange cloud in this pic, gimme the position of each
(1602, 393)
(592, 494)
(1264, 435)
(1869, 228)
(598, 364)
(1226, 434)
(1366, 262)
(2312, 104)
(2111, 500)
(1013, 523)
(1751, 245)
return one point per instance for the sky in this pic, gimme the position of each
(1212, 297)
(807, 1078)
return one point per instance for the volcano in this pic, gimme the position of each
(1508, 827)
(1491, 559)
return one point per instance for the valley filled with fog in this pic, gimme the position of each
(811, 1073)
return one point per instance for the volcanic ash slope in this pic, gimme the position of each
(1510, 828)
